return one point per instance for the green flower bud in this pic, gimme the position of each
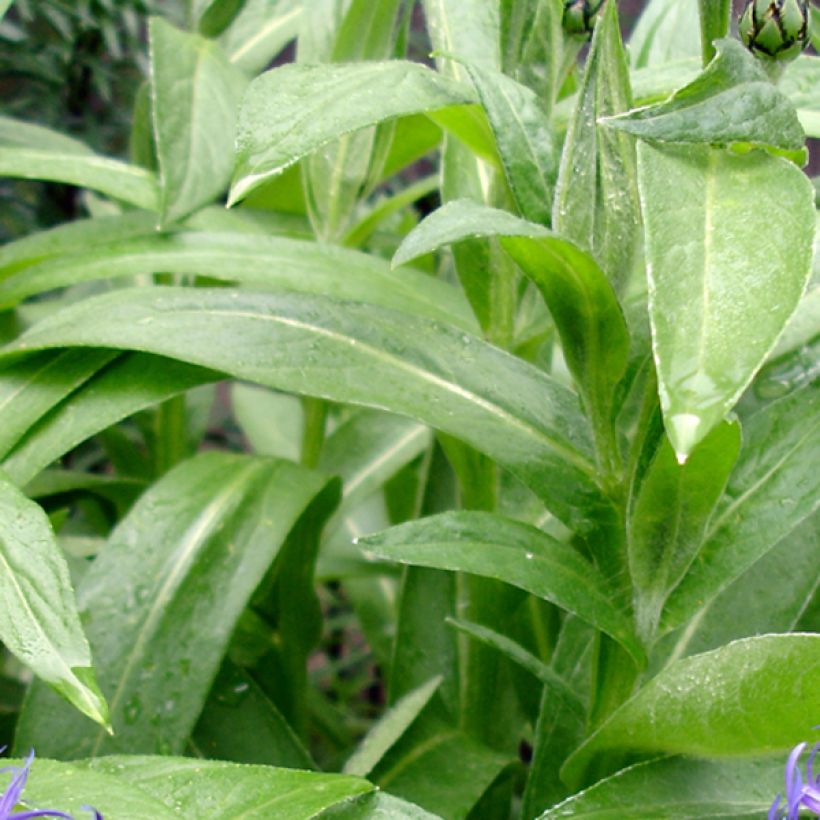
(579, 16)
(776, 29)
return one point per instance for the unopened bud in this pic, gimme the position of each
(775, 29)
(579, 16)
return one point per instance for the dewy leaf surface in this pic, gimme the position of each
(161, 600)
(679, 789)
(268, 261)
(582, 302)
(729, 248)
(667, 520)
(132, 383)
(229, 791)
(358, 354)
(752, 697)
(195, 94)
(291, 111)
(525, 140)
(29, 389)
(496, 547)
(38, 614)
(115, 179)
(733, 100)
(774, 487)
(596, 199)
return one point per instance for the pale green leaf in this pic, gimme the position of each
(729, 248)
(273, 262)
(774, 487)
(679, 789)
(751, 697)
(596, 200)
(260, 31)
(195, 94)
(733, 100)
(390, 727)
(495, 547)
(130, 384)
(359, 354)
(228, 791)
(115, 179)
(38, 614)
(667, 518)
(525, 140)
(289, 112)
(161, 600)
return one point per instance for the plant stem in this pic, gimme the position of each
(171, 434)
(715, 16)
(313, 434)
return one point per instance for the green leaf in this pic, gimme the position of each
(289, 112)
(773, 488)
(526, 660)
(751, 697)
(275, 262)
(379, 806)
(495, 547)
(71, 237)
(733, 100)
(667, 31)
(259, 32)
(227, 791)
(126, 386)
(195, 94)
(667, 518)
(390, 727)
(161, 600)
(30, 388)
(772, 595)
(115, 179)
(358, 354)
(596, 200)
(272, 422)
(240, 723)
(723, 233)
(525, 140)
(20, 134)
(679, 789)
(440, 768)
(593, 332)
(71, 787)
(38, 615)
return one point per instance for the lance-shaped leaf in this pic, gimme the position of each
(71, 237)
(291, 111)
(115, 179)
(132, 383)
(275, 262)
(259, 32)
(38, 615)
(679, 789)
(525, 140)
(362, 355)
(729, 247)
(596, 200)
(773, 489)
(161, 600)
(195, 94)
(496, 547)
(738, 700)
(732, 101)
(21, 134)
(389, 729)
(668, 516)
(581, 300)
(227, 791)
(30, 388)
